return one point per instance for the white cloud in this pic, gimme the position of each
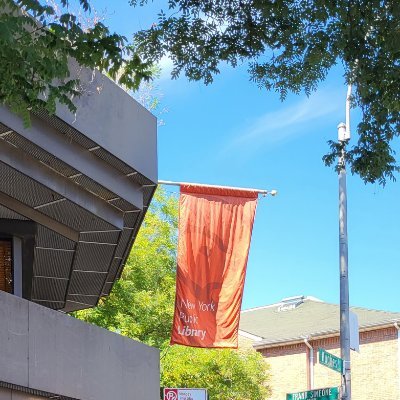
(166, 65)
(289, 121)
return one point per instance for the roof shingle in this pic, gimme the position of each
(309, 318)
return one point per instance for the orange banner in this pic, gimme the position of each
(215, 228)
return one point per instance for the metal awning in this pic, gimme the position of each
(88, 202)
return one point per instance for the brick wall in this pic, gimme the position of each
(244, 342)
(323, 376)
(375, 370)
(288, 369)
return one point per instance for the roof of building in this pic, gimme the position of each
(300, 317)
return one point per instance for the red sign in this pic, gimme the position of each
(170, 394)
(215, 228)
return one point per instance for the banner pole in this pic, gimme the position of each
(272, 192)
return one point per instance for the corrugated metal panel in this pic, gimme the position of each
(72, 275)
(74, 306)
(87, 300)
(94, 256)
(50, 239)
(55, 305)
(3, 128)
(100, 237)
(8, 214)
(131, 218)
(123, 205)
(89, 144)
(33, 194)
(93, 187)
(49, 289)
(148, 193)
(40, 154)
(76, 217)
(135, 230)
(53, 263)
(89, 283)
(140, 179)
(124, 241)
(107, 288)
(115, 162)
(114, 269)
(67, 130)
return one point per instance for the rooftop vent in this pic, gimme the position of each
(290, 303)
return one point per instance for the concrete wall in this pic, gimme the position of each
(8, 394)
(46, 350)
(114, 120)
(375, 370)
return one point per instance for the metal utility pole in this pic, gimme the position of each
(344, 136)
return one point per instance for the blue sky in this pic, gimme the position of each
(232, 133)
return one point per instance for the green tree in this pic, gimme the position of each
(141, 307)
(37, 44)
(226, 374)
(291, 45)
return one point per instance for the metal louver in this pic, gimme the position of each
(86, 197)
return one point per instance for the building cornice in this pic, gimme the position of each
(264, 344)
(250, 336)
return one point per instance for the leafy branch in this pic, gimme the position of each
(36, 49)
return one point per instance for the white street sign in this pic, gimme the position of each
(354, 332)
(185, 394)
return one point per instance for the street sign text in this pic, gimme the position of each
(185, 394)
(320, 394)
(330, 361)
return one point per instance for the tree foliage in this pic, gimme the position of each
(226, 374)
(290, 46)
(141, 307)
(36, 46)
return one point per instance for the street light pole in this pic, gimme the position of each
(344, 136)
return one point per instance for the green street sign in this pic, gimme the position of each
(330, 361)
(320, 394)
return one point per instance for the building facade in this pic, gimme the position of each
(289, 333)
(74, 190)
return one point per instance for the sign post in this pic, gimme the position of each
(344, 136)
(315, 394)
(330, 361)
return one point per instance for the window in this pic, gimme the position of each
(6, 270)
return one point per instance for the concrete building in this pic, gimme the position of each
(289, 333)
(73, 192)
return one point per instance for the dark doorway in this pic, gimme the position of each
(6, 266)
